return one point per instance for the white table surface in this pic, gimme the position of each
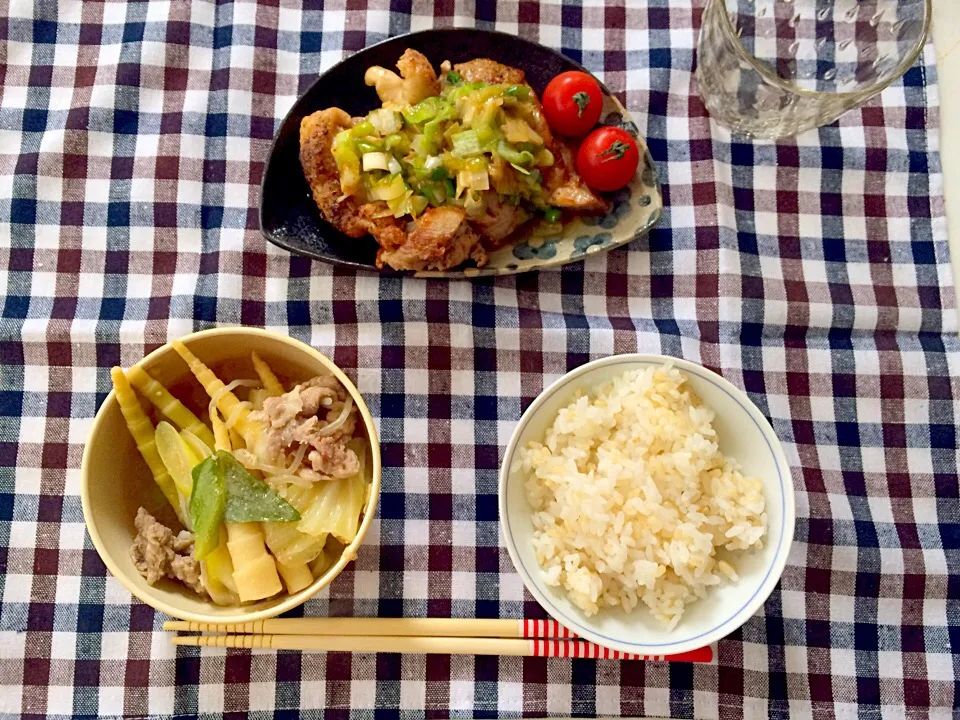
(946, 38)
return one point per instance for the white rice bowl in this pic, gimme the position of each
(633, 501)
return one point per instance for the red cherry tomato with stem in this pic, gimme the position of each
(608, 158)
(572, 103)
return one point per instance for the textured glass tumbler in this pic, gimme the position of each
(774, 68)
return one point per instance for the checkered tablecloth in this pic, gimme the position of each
(813, 273)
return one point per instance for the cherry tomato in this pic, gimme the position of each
(572, 103)
(608, 158)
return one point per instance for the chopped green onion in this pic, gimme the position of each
(375, 161)
(429, 109)
(432, 135)
(552, 215)
(449, 188)
(385, 121)
(454, 78)
(390, 188)
(418, 146)
(439, 173)
(393, 165)
(487, 137)
(365, 145)
(475, 164)
(466, 143)
(397, 142)
(456, 92)
(520, 168)
(417, 205)
(419, 171)
(363, 129)
(474, 203)
(400, 205)
(348, 162)
(514, 156)
(473, 180)
(518, 91)
(427, 191)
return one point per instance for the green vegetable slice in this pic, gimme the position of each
(363, 129)
(552, 215)
(466, 143)
(429, 109)
(398, 143)
(365, 145)
(427, 191)
(432, 135)
(514, 156)
(518, 91)
(249, 499)
(455, 92)
(208, 502)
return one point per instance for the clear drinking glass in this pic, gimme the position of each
(773, 68)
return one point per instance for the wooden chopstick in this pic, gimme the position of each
(457, 645)
(448, 636)
(401, 627)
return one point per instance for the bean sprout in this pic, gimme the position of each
(340, 421)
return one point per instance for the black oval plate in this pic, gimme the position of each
(288, 216)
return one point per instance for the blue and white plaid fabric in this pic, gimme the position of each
(813, 273)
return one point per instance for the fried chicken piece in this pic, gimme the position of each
(565, 187)
(347, 213)
(419, 80)
(489, 71)
(440, 239)
(320, 169)
(499, 220)
(385, 228)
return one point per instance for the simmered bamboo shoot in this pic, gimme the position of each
(295, 577)
(142, 432)
(166, 403)
(270, 382)
(254, 570)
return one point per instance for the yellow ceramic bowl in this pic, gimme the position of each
(115, 481)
